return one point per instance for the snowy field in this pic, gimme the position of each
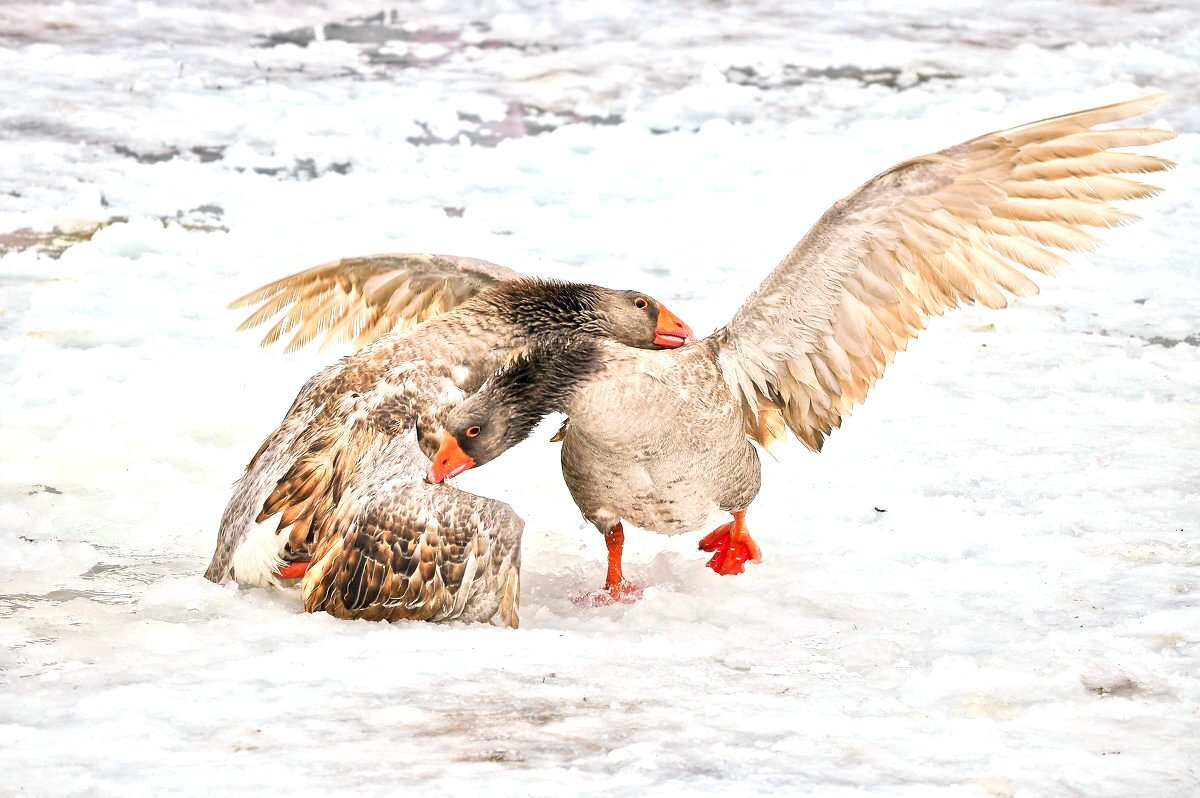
(987, 585)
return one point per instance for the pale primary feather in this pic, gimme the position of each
(956, 226)
(358, 299)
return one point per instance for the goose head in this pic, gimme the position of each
(539, 379)
(634, 317)
(551, 307)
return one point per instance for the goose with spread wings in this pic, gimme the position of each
(665, 439)
(336, 495)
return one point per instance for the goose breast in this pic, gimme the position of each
(655, 439)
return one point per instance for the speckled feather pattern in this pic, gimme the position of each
(341, 481)
(408, 550)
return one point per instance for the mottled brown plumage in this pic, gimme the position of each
(663, 439)
(341, 480)
(403, 549)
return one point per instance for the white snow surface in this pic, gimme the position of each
(987, 584)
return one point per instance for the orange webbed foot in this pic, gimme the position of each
(731, 558)
(717, 539)
(733, 546)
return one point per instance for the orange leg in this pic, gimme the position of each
(733, 546)
(616, 588)
(293, 570)
(614, 581)
(614, 539)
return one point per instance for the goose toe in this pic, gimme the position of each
(733, 546)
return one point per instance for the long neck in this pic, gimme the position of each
(544, 379)
(545, 307)
(484, 331)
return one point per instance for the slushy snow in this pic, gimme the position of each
(986, 585)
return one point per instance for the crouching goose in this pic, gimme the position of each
(924, 236)
(333, 496)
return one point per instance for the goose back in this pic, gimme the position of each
(408, 550)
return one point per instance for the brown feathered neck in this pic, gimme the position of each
(541, 378)
(540, 307)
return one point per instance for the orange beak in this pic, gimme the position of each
(450, 460)
(670, 331)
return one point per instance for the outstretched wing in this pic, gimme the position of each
(359, 299)
(397, 548)
(930, 233)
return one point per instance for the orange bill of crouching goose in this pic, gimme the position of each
(962, 225)
(336, 496)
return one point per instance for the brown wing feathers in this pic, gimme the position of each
(307, 494)
(953, 227)
(359, 299)
(389, 565)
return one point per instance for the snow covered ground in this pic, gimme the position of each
(988, 583)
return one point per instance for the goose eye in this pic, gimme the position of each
(473, 432)
(640, 303)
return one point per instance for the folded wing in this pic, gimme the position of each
(957, 226)
(359, 299)
(396, 548)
